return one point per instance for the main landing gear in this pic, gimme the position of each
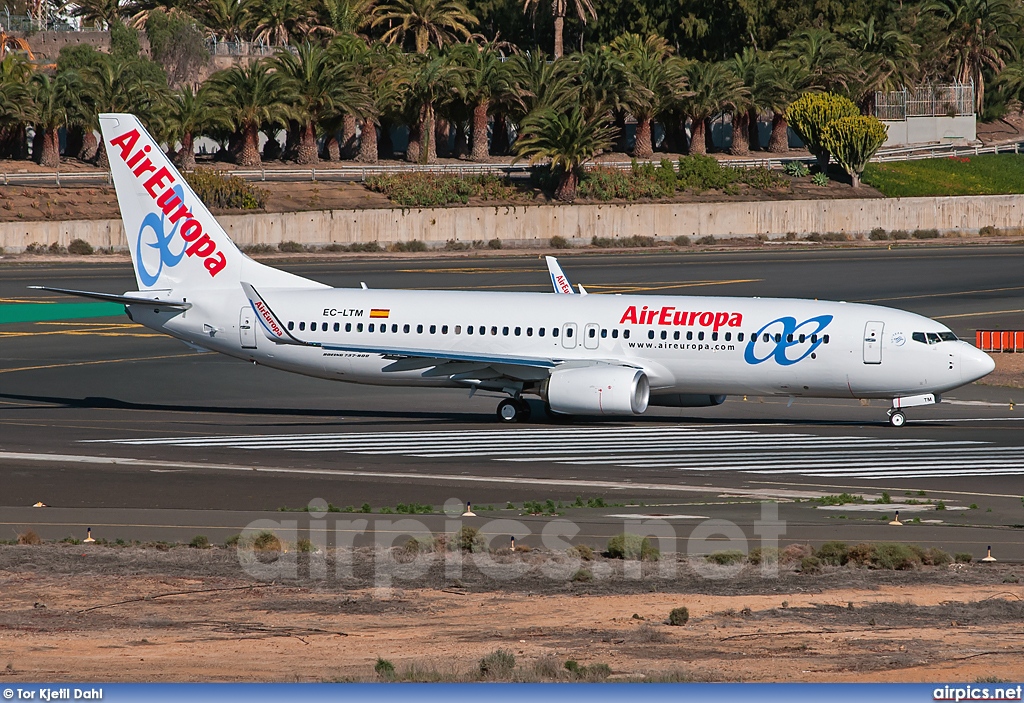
(897, 418)
(513, 410)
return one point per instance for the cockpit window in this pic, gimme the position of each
(933, 338)
(919, 337)
(947, 337)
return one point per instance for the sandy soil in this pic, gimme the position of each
(186, 615)
(1009, 371)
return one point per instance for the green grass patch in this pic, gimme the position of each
(987, 174)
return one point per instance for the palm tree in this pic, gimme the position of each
(50, 98)
(427, 22)
(190, 113)
(229, 20)
(386, 78)
(322, 87)
(749, 68)
(113, 85)
(782, 82)
(888, 60)
(569, 139)
(977, 35)
(582, 8)
(485, 83)
(252, 97)
(714, 88)
(826, 57)
(275, 22)
(540, 84)
(15, 105)
(432, 80)
(345, 17)
(655, 80)
(99, 12)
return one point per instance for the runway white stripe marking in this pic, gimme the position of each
(684, 449)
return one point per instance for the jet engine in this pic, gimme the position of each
(686, 400)
(598, 390)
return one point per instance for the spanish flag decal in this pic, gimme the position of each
(379, 312)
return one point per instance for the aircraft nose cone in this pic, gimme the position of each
(975, 364)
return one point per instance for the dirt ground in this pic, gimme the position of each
(1009, 371)
(90, 613)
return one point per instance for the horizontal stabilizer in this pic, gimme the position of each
(124, 299)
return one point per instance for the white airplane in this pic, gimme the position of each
(581, 354)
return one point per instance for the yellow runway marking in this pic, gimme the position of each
(941, 295)
(101, 361)
(977, 314)
(617, 288)
(80, 333)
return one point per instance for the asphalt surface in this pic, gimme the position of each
(115, 427)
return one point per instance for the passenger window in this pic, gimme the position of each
(814, 338)
(778, 338)
(664, 334)
(504, 331)
(494, 331)
(383, 329)
(444, 329)
(348, 326)
(675, 335)
(394, 328)
(518, 331)
(689, 336)
(291, 325)
(825, 339)
(714, 336)
(615, 334)
(482, 330)
(625, 334)
(337, 326)
(803, 338)
(728, 336)
(554, 331)
(650, 334)
(541, 331)
(700, 336)
(370, 328)
(604, 334)
(529, 331)
(458, 329)
(592, 333)
(433, 329)
(359, 327)
(302, 327)
(767, 338)
(405, 328)
(789, 338)
(419, 329)
(469, 329)
(739, 337)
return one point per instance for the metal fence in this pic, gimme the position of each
(238, 48)
(950, 100)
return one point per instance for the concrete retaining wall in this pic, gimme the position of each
(533, 224)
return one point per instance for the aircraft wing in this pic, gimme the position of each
(140, 299)
(559, 281)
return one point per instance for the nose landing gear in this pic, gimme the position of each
(513, 410)
(897, 418)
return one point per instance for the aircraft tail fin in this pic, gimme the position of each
(175, 243)
(559, 281)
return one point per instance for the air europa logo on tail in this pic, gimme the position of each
(668, 315)
(170, 201)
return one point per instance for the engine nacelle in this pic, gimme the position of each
(686, 400)
(598, 390)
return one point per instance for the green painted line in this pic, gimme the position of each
(43, 312)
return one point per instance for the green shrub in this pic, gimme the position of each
(494, 244)
(558, 242)
(679, 616)
(707, 239)
(761, 178)
(582, 551)
(989, 231)
(963, 557)
(853, 141)
(266, 541)
(796, 169)
(630, 546)
(417, 189)
(726, 557)
(455, 245)
(410, 246)
(468, 539)
(220, 190)
(583, 576)
(290, 247)
(681, 241)
(810, 115)
(384, 669)
(199, 542)
(498, 664)
(933, 556)
(878, 234)
(80, 247)
(268, 249)
(899, 234)
(810, 565)
(304, 546)
(834, 553)
(232, 541)
(925, 234)
(820, 179)
(632, 242)
(367, 247)
(895, 556)
(861, 554)
(762, 555)
(698, 172)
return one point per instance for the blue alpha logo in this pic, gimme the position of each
(153, 236)
(786, 341)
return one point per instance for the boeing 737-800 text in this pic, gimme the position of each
(582, 354)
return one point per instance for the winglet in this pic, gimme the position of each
(583, 291)
(273, 328)
(559, 281)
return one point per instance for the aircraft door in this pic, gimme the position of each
(247, 328)
(873, 342)
(569, 335)
(591, 335)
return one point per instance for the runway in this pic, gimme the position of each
(139, 423)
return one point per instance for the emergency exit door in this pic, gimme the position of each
(873, 342)
(246, 328)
